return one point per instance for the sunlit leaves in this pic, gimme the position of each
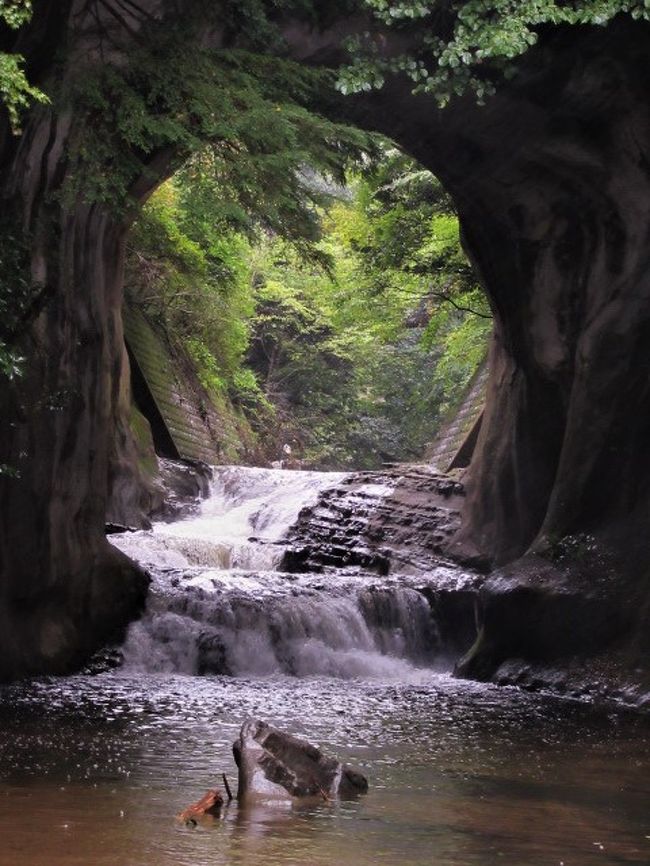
(245, 120)
(16, 92)
(11, 364)
(468, 42)
(15, 13)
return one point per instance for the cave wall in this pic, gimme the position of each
(551, 181)
(64, 590)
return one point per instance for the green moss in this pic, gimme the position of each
(141, 431)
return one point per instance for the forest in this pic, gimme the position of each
(352, 344)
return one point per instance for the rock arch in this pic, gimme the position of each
(551, 180)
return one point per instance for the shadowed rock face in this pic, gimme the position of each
(551, 180)
(274, 764)
(64, 590)
(65, 429)
(552, 183)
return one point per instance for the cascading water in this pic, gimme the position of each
(217, 606)
(94, 766)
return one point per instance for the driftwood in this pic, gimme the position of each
(210, 804)
(273, 764)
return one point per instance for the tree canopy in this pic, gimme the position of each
(353, 348)
(453, 47)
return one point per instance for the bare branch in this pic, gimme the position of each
(442, 296)
(120, 19)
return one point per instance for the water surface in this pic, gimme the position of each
(94, 769)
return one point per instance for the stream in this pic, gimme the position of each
(94, 767)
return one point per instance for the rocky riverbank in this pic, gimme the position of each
(564, 621)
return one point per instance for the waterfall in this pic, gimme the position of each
(247, 513)
(218, 606)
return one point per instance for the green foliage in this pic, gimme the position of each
(15, 13)
(193, 282)
(298, 355)
(8, 471)
(363, 359)
(15, 90)
(10, 363)
(460, 342)
(18, 296)
(252, 111)
(351, 354)
(410, 293)
(461, 46)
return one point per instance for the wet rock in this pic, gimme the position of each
(106, 659)
(59, 631)
(212, 655)
(186, 483)
(546, 613)
(398, 519)
(274, 764)
(118, 528)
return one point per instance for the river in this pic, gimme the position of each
(95, 767)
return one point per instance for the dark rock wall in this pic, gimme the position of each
(551, 179)
(561, 452)
(135, 490)
(63, 589)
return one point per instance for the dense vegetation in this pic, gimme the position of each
(349, 348)
(169, 98)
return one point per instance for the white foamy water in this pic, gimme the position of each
(249, 510)
(217, 606)
(240, 623)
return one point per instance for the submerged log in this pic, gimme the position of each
(274, 764)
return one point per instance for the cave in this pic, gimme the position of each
(550, 179)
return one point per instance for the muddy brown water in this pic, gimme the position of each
(94, 769)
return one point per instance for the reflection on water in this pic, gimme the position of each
(95, 769)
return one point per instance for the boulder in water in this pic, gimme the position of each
(274, 764)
